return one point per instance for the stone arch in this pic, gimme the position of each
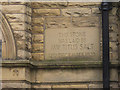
(8, 41)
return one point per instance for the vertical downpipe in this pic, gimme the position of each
(105, 7)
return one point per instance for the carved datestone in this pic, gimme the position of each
(72, 44)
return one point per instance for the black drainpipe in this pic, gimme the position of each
(105, 7)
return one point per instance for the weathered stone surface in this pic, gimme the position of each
(48, 5)
(113, 55)
(38, 56)
(94, 86)
(58, 22)
(113, 28)
(68, 75)
(18, 26)
(13, 74)
(113, 19)
(22, 54)
(72, 44)
(79, 4)
(46, 12)
(76, 11)
(113, 36)
(28, 19)
(37, 29)
(38, 47)
(114, 11)
(113, 74)
(37, 38)
(3, 50)
(19, 35)
(16, 85)
(28, 27)
(23, 45)
(57, 15)
(16, 17)
(43, 87)
(22, 35)
(95, 11)
(38, 21)
(74, 75)
(29, 11)
(86, 21)
(70, 86)
(14, 9)
(16, 2)
(114, 86)
(114, 46)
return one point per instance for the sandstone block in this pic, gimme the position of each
(94, 86)
(44, 5)
(16, 85)
(28, 19)
(79, 4)
(29, 11)
(18, 26)
(86, 21)
(13, 74)
(113, 36)
(113, 74)
(95, 11)
(38, 56)
(58, 22)
(28, 27)
(48, 5)
(37, 29)
(76, 12)
(38, 38)
(71, 86)
(114, 11)
(16, 17)
(46, 12)
(21, 45)
(114, 55)
(43, 87)
(16, 2)
(22, 54)
(18, 73)
(19, 35)
(38, 21)
(22, 35)
(38, 47)
(14, 9)
(114, 46)
(113, 27)
(67, 75)
(113, 19)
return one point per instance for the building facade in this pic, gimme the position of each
(57, 45)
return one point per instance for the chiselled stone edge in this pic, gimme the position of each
(55, 64)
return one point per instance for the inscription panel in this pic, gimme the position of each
(72, 43)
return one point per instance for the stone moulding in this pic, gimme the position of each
(9, 50)
(56, 64)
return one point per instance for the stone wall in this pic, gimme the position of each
(54, 15)
(19, 18)
(29, 22)
(70, 15)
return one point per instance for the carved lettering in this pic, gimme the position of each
(73, 43)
